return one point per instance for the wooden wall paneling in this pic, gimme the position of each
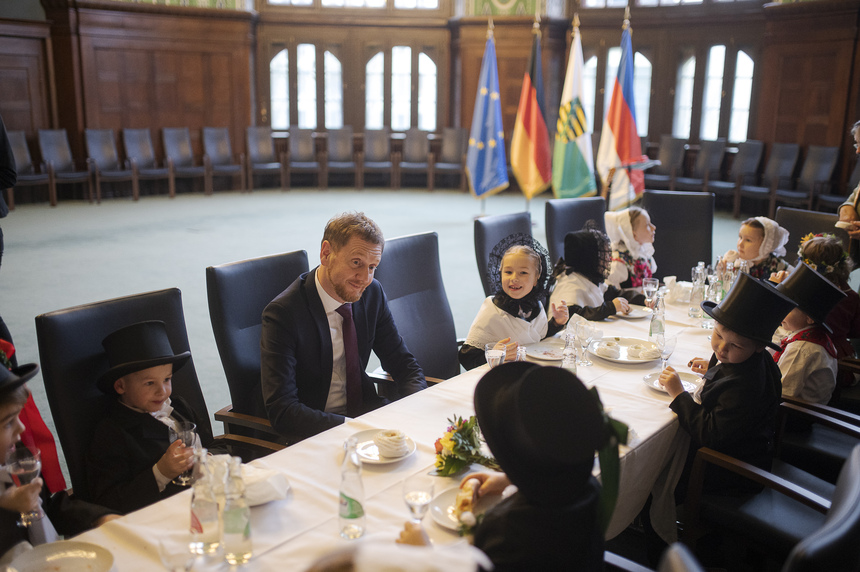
(29, 101)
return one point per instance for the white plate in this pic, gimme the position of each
(66, 556)
(690, 381)
(623, 343)
(442, 507)
(636, 313)
(549, 350)
(369, 453)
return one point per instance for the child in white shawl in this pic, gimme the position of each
(515, 315)
(632, 234)
(761, 243)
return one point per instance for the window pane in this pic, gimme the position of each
(332, 3)
(279, 91)
(333, 92)
(684, 98)
(594, 4)
(739, 122)
(374, 92)
(419, 4)
(613, 59)
(426, 93)
(401, 88)
(306, 66)
(713, 93)
(642, 92)
(589, 89)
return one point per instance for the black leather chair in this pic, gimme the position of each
(341, 157)
(104, 163)
(378, 157)
(489, 231)
(779, 170)
(180, 158)
(141, 155)
(676, 558)
(452, 155)
(416, 157)
(799, 223)
(28, 176)
(815, 176)
(831, 202)
(671, 157)
(72, 358)
(411, 276)
(218, 154)
(707, 167)
(238, 293)
(567, 215)
(262, 159)
(57, 155)
(743, 171)
(682, 241)
(302, 156)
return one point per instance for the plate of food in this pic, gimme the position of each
(636, 313)
(547, 350)
(447, 506)
(690, 381)
(381, 446)
(65, 556)
(624, 350)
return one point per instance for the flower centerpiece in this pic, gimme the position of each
(460, 446)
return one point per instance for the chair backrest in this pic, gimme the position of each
(780, 164)
(416, 146)
(799, 223)
(377, 145)
(339, 146)
(818, 167)
(747, 160)
(302, 146)
(138, 146)
(20, 152)
(681, 241)
(54, 145)
(72, 359)
(489, 231)
(834, 546)
(177, 146)
(454, 145)
(216, 144)
(411, 276)
(709, 159)
(101, 148)
(567, 215)
(854, 179)
(261, 146)
(238, 293)
(671, 155)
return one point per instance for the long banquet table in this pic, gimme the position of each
(290, 534)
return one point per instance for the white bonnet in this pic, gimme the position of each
(620, 231)
(775, 238)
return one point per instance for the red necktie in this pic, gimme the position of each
(353, 365)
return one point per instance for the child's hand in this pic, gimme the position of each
(414, 534)
(621, 305)
(22, 499)
(491, 483)
(698, 365)
(671, 382)
(509, 347)
(177, 459)
(560, 313)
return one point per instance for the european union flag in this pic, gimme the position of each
(486, 168)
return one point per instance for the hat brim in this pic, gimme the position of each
(21, 375)
(106, 381)
(713, 310)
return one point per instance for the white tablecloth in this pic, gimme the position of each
(290, 534)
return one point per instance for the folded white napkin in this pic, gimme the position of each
(262, 485)
(643, 351)
(609, 349)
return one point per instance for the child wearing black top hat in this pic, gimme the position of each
(807, 355)
(741, 391)
(131, 462)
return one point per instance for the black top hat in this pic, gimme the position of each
(12, 379)
(543, 426)
(814, 294)
(135, 348)
(753, 308)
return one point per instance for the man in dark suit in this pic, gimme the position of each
(314, 352)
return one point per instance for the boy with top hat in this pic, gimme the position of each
(131, 462)
(807, 356)
(61, 513)
(735, 410)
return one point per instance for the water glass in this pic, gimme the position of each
(184, 431)
(175, 552)
(649, 288)
(417, 494)
(24, 465)
(494, 356)
(585, 334)
(666, 346)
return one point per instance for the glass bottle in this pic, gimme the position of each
(237, 517)
(521, 353)
(568, 355)
(658, 317)
(351, 510)
(205, 517)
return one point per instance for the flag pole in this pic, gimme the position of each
(490, 28)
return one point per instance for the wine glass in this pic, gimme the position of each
(183, 431)
(494, 356)
(649, 288)
(585, 334)
(666, 346)
(23, 466)
(417, 493)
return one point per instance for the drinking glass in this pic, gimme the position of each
(184, 431)
(175, 552)
(666, 346)
(24, 465)
(417, 493)
(494, 356)
(585, 334)
(649, 288)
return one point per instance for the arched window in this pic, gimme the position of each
(641, 86)
(279, 90)
(684, 98)
(713, 96)
(426, 93)
(416, 4)
(333, 91)
(306, 66)
(374, 92)
(589, 89)
(401, 88)
(739, 123)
